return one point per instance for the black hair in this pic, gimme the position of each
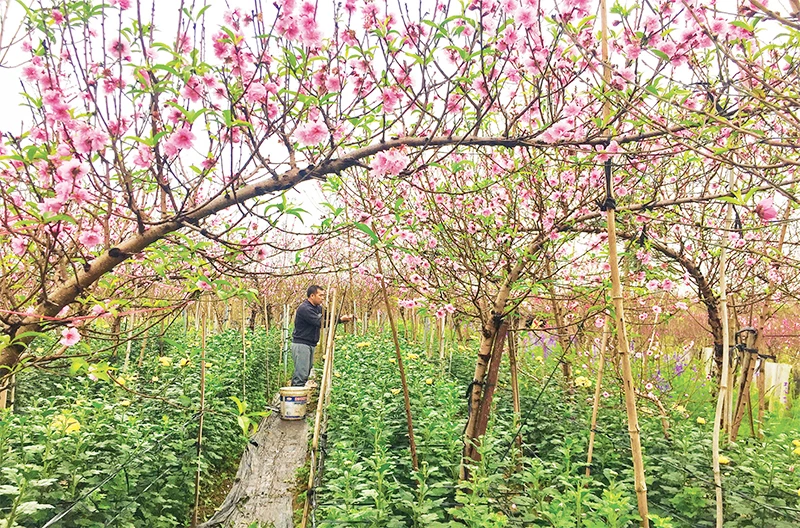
(313, 289)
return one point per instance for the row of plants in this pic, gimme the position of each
(368, 478)
(93, 444)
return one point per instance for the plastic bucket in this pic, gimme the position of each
(293, 402)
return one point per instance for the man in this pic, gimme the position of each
(307, 324)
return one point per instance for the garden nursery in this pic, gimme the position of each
(400, 263)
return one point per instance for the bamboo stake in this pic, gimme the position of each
(327, 370)
(197, 316)
(748, 367)
(244, 358)
(512, 359)
(129, 344)
(442, 323)
(747, 374)
(762, 394)
(723, 383)
(598, 385)
(407, 399)
(285, 355)
(619, 310)
(12, 398)
(195, 513)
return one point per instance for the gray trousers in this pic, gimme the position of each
(303, 357)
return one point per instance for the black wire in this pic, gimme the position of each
(775, 509)
(168, 470)
(115, 473)
(535, 402)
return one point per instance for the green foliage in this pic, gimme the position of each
(368, 477)
(120, 459)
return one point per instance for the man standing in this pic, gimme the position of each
(307, 324)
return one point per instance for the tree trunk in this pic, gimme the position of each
(482, 419)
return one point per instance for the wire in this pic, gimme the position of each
(527, 414)
(168, 470)
(122, 466)
(774, 509)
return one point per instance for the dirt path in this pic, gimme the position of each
(262, 490)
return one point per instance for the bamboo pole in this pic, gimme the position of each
(723, 380)
(285, 351)
(244, 357)
(442, 323)
(12, 394)
(195, 512)
(747, 374)
(748, 367)
(407, 399)
(512, 359)
(129, 344)
(327, 370)
(598, 385)
(619, 310)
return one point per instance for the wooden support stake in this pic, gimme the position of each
(640, 484)
(196, 512)
(327, 371)
(398, 355)
(598, 385)
(244, 357)
(745, 381)
(723, 380)
(513, 344)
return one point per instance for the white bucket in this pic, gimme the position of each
(293, 402)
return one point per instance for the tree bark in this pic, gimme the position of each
(482, 419)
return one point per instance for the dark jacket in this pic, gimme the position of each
(307, 322)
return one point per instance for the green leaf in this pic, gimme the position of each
(366, 229)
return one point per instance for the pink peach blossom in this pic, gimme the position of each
(766, 209)
(312, 133)
(70, 336)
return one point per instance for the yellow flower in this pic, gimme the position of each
(429, 381)
(337, 375)
(395, 391)
(724, 460)
(582, 381)
(363, 344)
(209, 365)
(392, 360)
(184, 362)
(701, 420)
(154, 379)
(540, 359)
(65, 424)
(796, 451)
(165, 361)
(125, 403)
(796, 443)
(798, 492)
(121, 380)
(680, 409)
(412, 356)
